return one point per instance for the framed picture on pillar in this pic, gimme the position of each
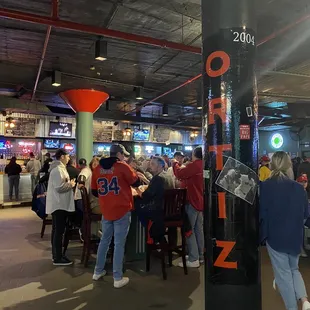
(239, 180)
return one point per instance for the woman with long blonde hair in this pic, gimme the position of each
(283, 209)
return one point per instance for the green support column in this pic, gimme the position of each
(84, 102)
(84, 135)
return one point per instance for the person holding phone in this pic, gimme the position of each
(59, 203)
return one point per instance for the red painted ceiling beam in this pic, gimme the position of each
(115, 34)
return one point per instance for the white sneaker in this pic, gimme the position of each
(96, 277)
(201, 260)
(303, 253)
(274, 284)
(306, 305)
(121, 283)
(189, 264)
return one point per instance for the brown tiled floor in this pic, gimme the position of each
(29, 281)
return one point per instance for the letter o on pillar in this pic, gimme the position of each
(225, 65)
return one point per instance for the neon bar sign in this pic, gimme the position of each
(26, 144)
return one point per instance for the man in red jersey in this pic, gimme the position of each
(192, 176)
(111, 183)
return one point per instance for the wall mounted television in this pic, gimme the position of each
(60, 129)
(51, 144)
(141, 135)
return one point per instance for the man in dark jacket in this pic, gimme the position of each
(72, 171)
(151, 204)
(46, 164)
(13, 171)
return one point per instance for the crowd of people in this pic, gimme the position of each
(112, 182)
(33, 166)
(116, 185)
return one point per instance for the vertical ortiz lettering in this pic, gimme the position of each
(232, 270)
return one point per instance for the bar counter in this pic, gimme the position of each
(25, 194)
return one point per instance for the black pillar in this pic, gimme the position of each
(232, 273)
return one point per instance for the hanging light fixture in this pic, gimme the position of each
(199, 102)
(9, 122)
(139, 93)
(199, 97)
(56, 78)
(165, 110)
(127, 132)
(194, 134)
(101, 50)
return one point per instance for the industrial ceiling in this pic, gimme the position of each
(154, 45)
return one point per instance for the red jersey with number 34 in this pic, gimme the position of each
(113, 184)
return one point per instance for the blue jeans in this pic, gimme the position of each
(195, 242)
(288, 278)
(14, 183)
(119, 229)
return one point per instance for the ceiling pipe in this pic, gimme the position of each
(263, 41)
(47, 38)
(115, 34)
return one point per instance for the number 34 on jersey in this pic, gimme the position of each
(105, 186)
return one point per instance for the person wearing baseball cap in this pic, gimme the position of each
(264, 171)
(59, 203)
(46, 164)
(111, 182)
(119, 151)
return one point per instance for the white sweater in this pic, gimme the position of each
(59, 192)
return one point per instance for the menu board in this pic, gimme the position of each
(118, 135)
(161, 134)
(102, 132)
(24, 127)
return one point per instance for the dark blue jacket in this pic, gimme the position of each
(283, 209)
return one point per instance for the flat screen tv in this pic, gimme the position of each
(51, 144)
(60, 129)
(141, 135)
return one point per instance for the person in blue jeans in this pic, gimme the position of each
(13, 171)
(111, 183)
(119, 229)
(283, 209)
(191, 177)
